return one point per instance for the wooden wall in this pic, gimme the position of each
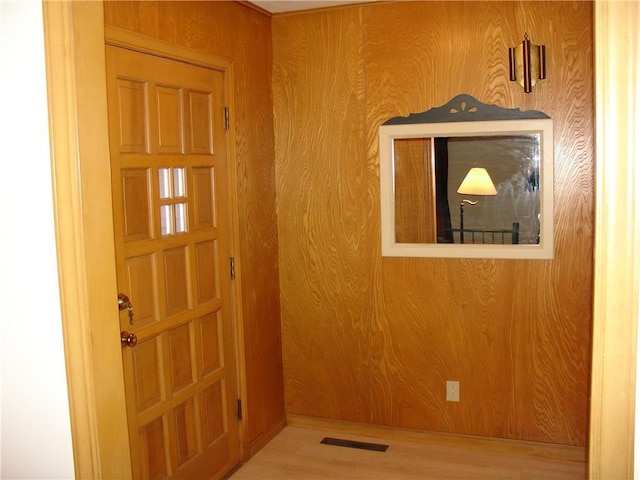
(242, 35)
(372, 339)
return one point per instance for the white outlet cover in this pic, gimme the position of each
(453, 391)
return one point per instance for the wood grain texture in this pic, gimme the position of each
(297, 454)
(415, 216)
(79, 135)
(374, 339)
(324, 215)
(242, 35)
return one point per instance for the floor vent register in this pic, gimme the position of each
(339, 442)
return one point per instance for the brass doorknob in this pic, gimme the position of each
(128, 339)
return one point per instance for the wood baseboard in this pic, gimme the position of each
(543, 450)
(258, 443)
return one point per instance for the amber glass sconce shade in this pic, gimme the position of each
(527, 64)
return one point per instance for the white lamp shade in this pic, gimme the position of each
(477, 182)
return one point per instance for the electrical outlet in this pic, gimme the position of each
(453, 391)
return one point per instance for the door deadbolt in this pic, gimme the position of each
(125, 303)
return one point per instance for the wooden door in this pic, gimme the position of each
(169, 180)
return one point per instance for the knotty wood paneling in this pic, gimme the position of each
(243, 35)
(374, 339)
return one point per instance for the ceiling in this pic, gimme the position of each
(279, 6)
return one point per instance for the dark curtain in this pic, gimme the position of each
(443, 215)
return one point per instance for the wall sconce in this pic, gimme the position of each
(527, 63)
(477, 182)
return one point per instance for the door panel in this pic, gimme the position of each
(169, 180)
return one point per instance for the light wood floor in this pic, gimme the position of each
(297, 454)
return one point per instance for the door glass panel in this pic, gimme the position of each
(178, 182)
(165, 183)
(166, 220)
(181, 217)
(172, 187)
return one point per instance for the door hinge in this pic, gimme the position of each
(226, 118)
(232, 268)
(239, 409)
